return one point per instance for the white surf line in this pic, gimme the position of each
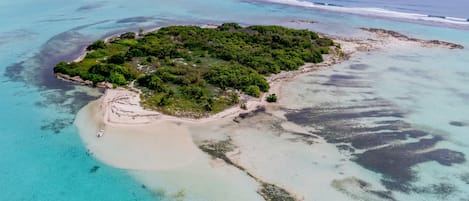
(372, 11)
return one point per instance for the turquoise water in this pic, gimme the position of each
(42, 157)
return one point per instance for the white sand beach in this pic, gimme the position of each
(152, 146)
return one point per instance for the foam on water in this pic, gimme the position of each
(379, 12)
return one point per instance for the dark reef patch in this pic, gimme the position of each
(13, 72)
(344, 147)
(309, 116)
(250, 114)
(389, 145)
(347, 83)
(57, 125)
(458, 123)
(411, 58)
(345, 80)
(62, 19)
(92, 6)
(395, 69)
(441, 190)
(67, 102)
(94, 169)
(271, 192)
(465, 178)
(359, 66)
(337, 77)
(139, 19)
(38, 69)
(15, 35)
(395, 161)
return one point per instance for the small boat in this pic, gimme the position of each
(100, 133)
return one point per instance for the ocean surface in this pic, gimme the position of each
(394, 121)
(454, 8)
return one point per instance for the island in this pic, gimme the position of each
(190, 71)
(171, 93)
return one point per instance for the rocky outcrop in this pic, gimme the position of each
(74, 79)
(426, 43)
(79, 80)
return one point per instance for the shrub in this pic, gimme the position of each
(128, 35)
(192, 92)
(234, 98)
(152, 82)
(61, 67)
(117, 78)
(238, 77)
(107, 69)
(244, 106)
(272, 98)
(133, 52)
(116, 59)
(209, 105)
(253, 90)
(95, 78)
(324, 50)
(324, 42)
(165, 100)
(99, 44)
(96, 54)
(229, 26)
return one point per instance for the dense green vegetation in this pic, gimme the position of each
(188, 70)
(271, 98)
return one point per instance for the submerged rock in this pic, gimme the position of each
(271, 192)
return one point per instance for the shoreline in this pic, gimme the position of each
(139, 139)
(381, 36)
(130, 94)
(122, 106)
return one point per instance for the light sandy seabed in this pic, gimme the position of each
(162, 151)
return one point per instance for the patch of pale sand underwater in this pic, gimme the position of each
(163, 157)
(204, 179)
(161, 145)
(308, 171)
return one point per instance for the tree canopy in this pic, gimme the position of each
(193, 70)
